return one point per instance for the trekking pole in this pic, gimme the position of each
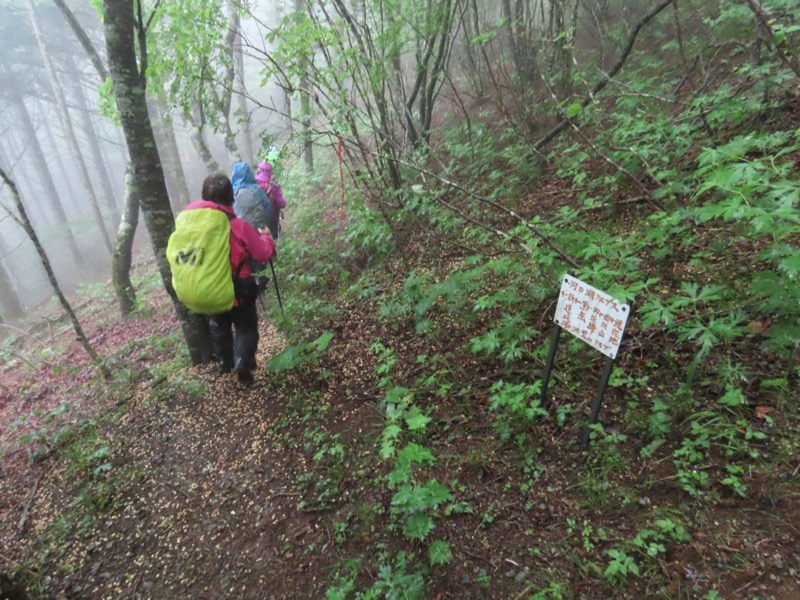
(277, 291)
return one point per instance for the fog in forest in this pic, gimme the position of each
(61, 147)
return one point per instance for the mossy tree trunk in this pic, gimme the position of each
(123, 248)
(129, 86)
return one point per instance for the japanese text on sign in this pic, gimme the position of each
(591, 315)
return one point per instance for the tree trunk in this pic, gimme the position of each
(226, 102)
(123, 248)
(91, 136)
(200, 146)
(10, 304)
(66, 123)
(241, 90)
(24, 222)
(164, 154)
(69, 197)
(129, 88)
(305, 103)
(174, 154)
(84, 40)
(509, 26)
(51, 195)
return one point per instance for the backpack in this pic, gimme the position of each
(249, 205)
(275, 216)
(199, 253)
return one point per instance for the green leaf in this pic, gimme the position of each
(102, 468)
(436, 493)
(733, 397)
(288, 358)
(573, 110)
(415, 419)
(405, 496)
(790, 265)
(413, 452)
(439, 553)
(418, 526)
(322, 341)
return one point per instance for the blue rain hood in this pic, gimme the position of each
(242, 176)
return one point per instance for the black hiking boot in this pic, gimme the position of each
(243, 371)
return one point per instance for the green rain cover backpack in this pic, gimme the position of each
(198, 252)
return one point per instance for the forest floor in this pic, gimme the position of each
(177, 482)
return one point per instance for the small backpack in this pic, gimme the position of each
(275, 215)
(199, 252)
(249, 205)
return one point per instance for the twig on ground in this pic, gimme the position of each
(175, 488)
(136, 585)
(24, 518)
(19, 565)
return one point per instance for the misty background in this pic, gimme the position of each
(36, 152)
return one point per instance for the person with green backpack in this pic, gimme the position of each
(211, 254)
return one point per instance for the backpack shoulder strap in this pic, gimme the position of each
(247, 259)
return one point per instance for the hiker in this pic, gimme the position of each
(251, 204)
(249, 200)
(275, 195)
(246, 245)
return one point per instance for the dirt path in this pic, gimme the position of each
(199, 501)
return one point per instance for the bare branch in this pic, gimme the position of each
(555, 131)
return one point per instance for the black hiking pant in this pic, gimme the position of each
(230, 347)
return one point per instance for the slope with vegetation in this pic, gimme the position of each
(395, 445)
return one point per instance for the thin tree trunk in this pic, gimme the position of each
(10, 304)
(129, 89)
(168, 128)
(24, 222)
(226, 103)
(26, 173)
(305, 103)
(91, 135)
(123, 244)
(509, 25)
(200, 146)
(51, 195)
(84, 40)
(57, 154)
(165, 156)
(66, 123)
(241, 90)
(123, 248)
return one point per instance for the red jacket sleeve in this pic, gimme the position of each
(260, 247)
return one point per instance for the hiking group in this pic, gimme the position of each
(219, 248)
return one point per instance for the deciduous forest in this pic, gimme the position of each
(448, 402)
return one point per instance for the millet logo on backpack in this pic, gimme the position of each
(192, 257)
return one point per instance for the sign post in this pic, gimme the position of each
(595, 318)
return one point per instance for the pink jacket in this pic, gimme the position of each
(245, 239)
(271, 188)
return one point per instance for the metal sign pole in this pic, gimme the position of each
(548, 368)
(598, 399)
